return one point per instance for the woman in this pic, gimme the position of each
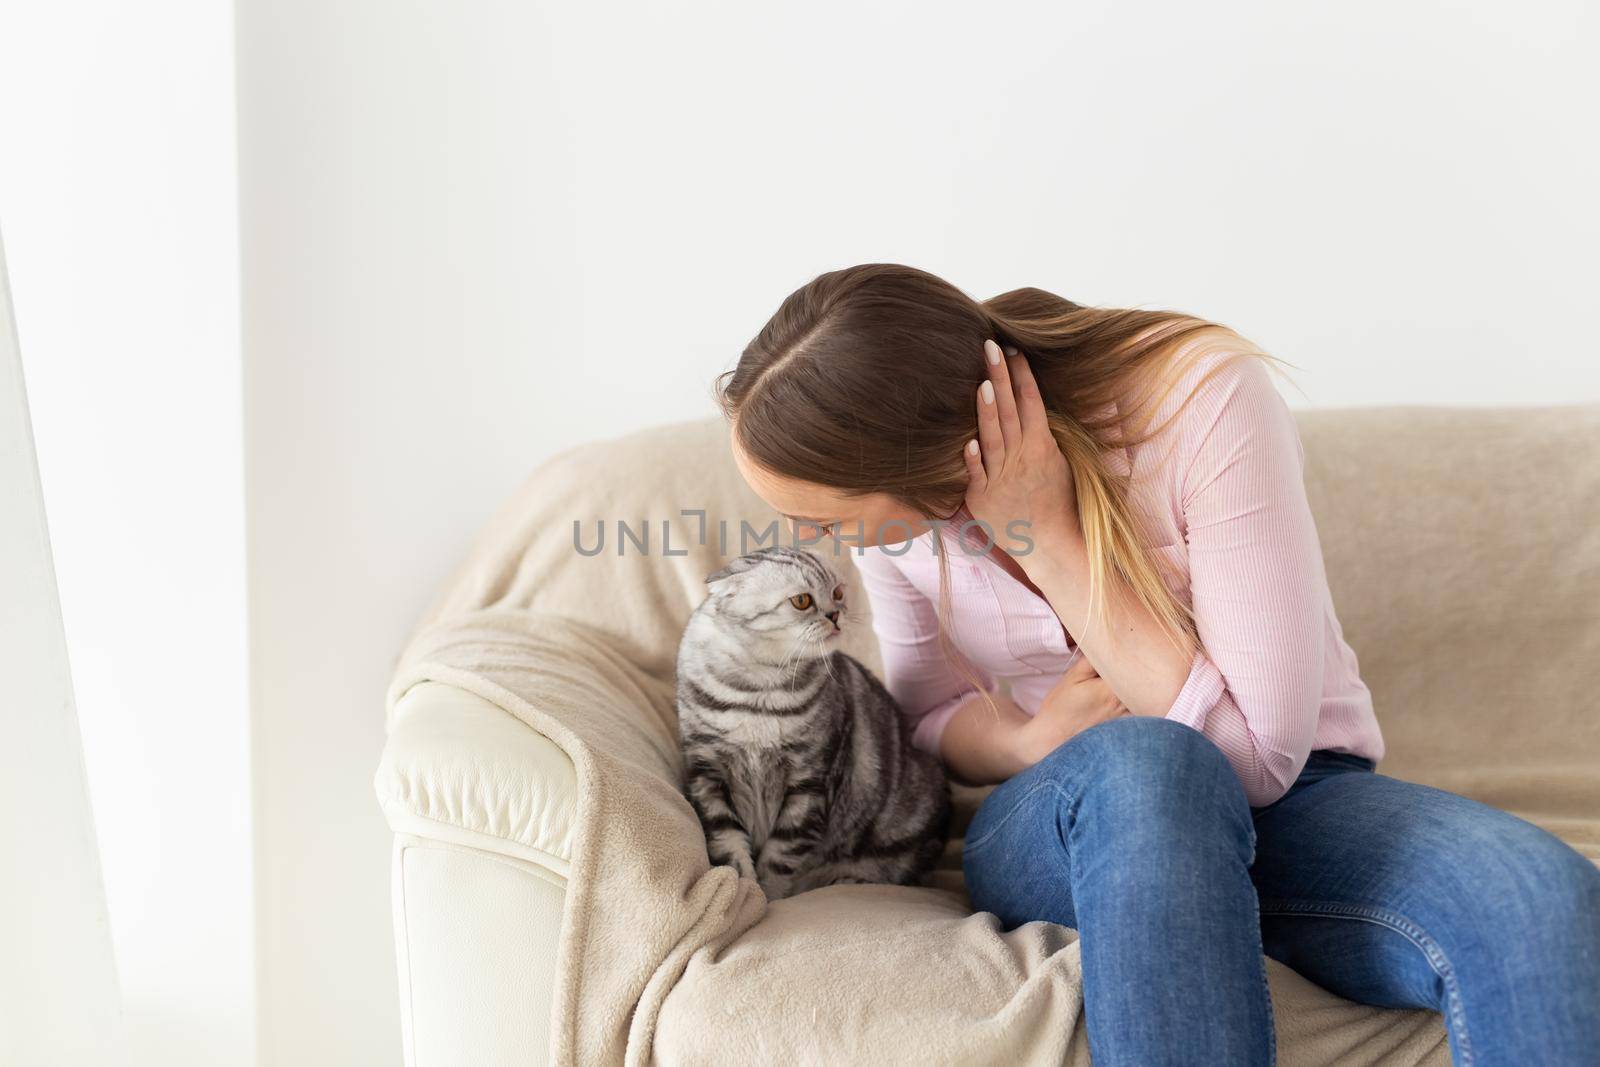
(1186, 754)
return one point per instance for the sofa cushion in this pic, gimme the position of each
(914, 976)
(1463, 562)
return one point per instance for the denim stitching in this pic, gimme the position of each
(1405, 928)
(1266, 998)
(1266, 987)
(970, 844)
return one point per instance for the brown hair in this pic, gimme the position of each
(865, 380)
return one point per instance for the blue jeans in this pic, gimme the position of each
(1136, 833)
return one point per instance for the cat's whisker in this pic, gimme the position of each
(827, 661)
(791, 659)
(827, 665)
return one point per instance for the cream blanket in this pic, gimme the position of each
(1465, 563)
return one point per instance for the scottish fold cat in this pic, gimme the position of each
(797, 760)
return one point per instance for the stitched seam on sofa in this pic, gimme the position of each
(531, 868)
(405, 920)
(1404, 927)
(970, 845)
(414, 814)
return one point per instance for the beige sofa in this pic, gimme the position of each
(551, 903)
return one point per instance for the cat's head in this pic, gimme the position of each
(786, 599)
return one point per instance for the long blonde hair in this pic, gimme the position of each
(864, 381)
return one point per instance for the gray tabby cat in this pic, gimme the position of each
(797, 760)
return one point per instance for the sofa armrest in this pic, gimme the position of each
(482, 806)
(461, 770)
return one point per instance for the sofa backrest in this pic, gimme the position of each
(1463, 552)
(1462, 549)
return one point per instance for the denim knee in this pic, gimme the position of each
(1158, 780)
(1137, 749)
(1536, 886)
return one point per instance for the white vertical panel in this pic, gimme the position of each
(118, 194)
(58, 986)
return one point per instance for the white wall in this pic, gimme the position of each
(476, 233)
(119, 205)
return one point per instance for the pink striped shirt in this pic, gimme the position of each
(1273, 678)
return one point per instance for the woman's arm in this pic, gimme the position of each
(1138, 659)
(1016, 472)
(929, 690)
(1256, 582)
(979, 750)
(950, 718)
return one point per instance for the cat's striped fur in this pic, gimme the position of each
(796, 758)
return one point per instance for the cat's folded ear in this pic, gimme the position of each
(737, 566)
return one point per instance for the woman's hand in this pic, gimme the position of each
(1015, 470)
(1081, 699)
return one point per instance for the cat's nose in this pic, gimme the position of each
(833, 616)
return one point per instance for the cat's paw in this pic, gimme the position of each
(739, 861)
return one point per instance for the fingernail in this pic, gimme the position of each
(1011, 350)
(992, 351)
(986, 390)
(972, 448)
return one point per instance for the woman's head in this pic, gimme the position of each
(858, 394)
(855, 400)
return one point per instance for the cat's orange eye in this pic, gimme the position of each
(838, 592)
(802, 601)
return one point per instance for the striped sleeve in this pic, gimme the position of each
(1256, 578)
(915, 671)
